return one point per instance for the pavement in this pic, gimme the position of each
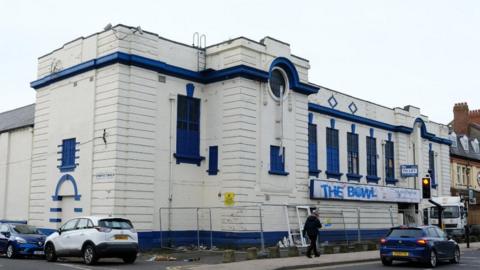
(366, 260)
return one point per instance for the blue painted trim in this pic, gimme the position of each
(278, 173)
(354, 177)
(66, 177)
(188, 159)
(310, 118)
(55, 220)
(353, 128)
(376, 124)
(190, 89)
(391, 181)
(334, 175)
(205, 77)
(78, 210)
(66, 168)
(314, 172)
(332, 123)
(389, 137)
(372, 179)
(53, 210)
(13, 221)
(293, 79)
(372, 132)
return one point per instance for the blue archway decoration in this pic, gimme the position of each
(63, 179)
(293, 79)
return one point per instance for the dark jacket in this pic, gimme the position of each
(312, 224)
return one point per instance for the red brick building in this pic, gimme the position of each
(465, 156)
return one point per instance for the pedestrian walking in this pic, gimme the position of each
(312, 224)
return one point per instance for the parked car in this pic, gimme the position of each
(20, 239)
(425, 244)
(93, 238)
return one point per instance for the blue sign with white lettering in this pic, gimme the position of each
(409, 170)
(334, 190)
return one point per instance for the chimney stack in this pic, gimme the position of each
(461, 118)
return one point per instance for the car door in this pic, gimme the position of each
(79, 235)
(64, 245)
(437, 243)
(447, 245)
(3, 238)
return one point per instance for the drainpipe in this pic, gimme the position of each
(170, 167)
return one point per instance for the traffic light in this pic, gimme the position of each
(426, 189)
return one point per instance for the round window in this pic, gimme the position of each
(277, 82)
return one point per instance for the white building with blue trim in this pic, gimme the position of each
(128, 123)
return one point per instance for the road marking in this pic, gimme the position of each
(73, 266)
(342, 265)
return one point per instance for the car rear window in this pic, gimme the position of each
(406, 233)
(115, 223)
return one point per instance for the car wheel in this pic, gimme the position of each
(89, 255)
(129, 259)
(456, 256)
(11, 253)
(50, 254)
(387, 262)
(433, 259)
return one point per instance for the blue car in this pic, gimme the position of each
(20, 239)
(425, 244)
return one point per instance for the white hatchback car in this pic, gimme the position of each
(93, 238)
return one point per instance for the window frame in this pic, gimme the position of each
(277, 161)
(333, 153)
(353, 159)
(313, 150)
(372, 162)
(188, 127)
(68, 155)
(390, 159)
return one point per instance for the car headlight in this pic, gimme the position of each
(20, 240)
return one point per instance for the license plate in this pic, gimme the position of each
(400, 254)
(38, 252)
(121, 237)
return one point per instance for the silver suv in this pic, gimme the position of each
(93, 238)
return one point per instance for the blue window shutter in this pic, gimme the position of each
(188, 130)
(390, 162)
(431, 163)
(332, 151)
(213, 160)
(312, 150)
(277, 161)
(68, 155)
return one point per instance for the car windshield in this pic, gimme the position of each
(25, 229)
(406, 233)
(448, 212)
(115, 223)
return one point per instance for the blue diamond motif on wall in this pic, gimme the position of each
(332, 101)
(352, 107)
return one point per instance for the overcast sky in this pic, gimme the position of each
(395, 53)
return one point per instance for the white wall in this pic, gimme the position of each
(15, 164)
